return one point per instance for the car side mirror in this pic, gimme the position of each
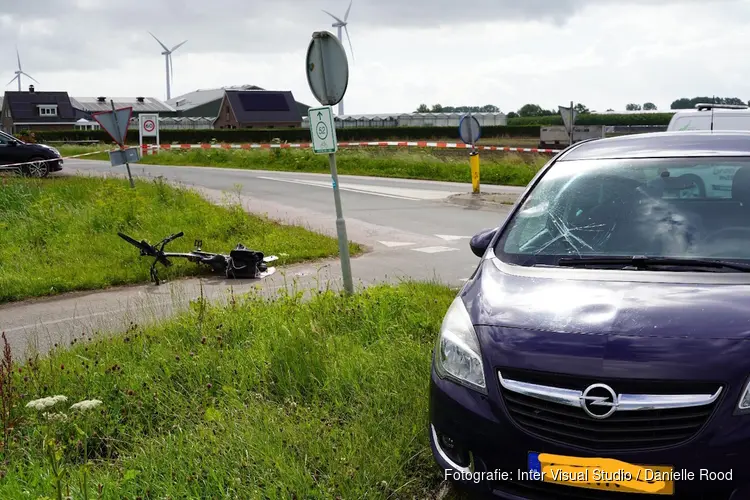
(12, 143)
(480, 241)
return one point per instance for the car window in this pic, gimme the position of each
(666, 207)
(707, 181)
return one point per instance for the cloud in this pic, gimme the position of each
(604, 53)
(78, 34)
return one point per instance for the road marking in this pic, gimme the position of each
(448, 237)
(395, 243)
(385, 191)
(435, 249)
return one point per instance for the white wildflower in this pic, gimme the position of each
(41, 404)
(86, 404)
(56, 416)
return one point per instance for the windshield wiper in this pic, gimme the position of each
(645, 262)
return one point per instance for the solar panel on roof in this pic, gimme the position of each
(21, 112)
(252, 101)
(23, 105)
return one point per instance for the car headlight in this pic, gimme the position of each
(744, 404)
(457, 353)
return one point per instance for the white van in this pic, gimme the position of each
(717, 179)
(725, 117)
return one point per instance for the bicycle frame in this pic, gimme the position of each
(218, 262)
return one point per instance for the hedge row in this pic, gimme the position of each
(197, 136)
(589, 119)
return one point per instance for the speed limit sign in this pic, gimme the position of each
(148, 126)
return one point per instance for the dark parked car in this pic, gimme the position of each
(37, 160)
(606, 330)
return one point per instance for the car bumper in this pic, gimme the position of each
(56, 165)
(478, 424)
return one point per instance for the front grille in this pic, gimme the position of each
(623, 431)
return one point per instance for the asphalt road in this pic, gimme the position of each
(406, 205)
(410, 228)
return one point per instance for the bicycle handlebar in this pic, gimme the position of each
(175, 236)
(170, 238)
(152, 250)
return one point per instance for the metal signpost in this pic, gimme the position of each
(148, 126)
(469, 130)
(327, 71)
(116, 122)
(572, 122)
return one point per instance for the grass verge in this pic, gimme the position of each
(257, 398)
(60, 234)
(426, 164)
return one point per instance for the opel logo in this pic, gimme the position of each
(599, 401)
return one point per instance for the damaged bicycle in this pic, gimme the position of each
(240, 263)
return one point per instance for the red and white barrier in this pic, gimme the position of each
(153, 148)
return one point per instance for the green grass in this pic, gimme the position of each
(262, 397)
(72, 150)
(439, 165)
(60, 234)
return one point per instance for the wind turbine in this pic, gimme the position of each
(342, 25)
(168, 58)
(19, 72)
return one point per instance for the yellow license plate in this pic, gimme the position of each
(601, 474)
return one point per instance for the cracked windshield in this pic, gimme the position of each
(654, 207)
(374, 249)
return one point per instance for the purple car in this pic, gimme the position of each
(601, 349)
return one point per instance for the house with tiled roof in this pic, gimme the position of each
(36, 110)
(208, 102)
(258, 109)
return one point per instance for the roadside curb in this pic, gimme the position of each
(484, 200)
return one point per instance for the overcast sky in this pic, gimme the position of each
(603, 53)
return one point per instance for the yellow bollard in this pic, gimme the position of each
(474, 162)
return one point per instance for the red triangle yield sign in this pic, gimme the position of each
(115, 123)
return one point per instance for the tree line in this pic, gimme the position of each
(537, 110)
(437, 108)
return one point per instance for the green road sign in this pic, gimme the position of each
(322, 130)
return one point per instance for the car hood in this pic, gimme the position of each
(43, 147)
(608, 308)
